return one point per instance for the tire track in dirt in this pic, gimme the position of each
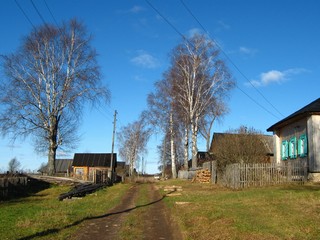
(108, 225)
(156, 219)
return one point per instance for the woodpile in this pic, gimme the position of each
(172, 188)
(202, 176)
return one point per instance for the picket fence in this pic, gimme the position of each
(239, 176)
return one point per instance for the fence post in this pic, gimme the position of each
(214, 172)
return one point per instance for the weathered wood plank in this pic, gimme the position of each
(262, 174)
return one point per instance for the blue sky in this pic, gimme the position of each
(273, 44)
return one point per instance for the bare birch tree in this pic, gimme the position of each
(198, 75)
(48, 80)
(132, 141)
(163, 115)
(215, 111)
(14, 165)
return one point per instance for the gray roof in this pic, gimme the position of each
(61, 166)
(311, 109)
(94, 159)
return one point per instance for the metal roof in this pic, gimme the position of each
(61, 166)
(311, 109)
(94, 159)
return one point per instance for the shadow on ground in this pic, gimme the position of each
(20, 191)
(56, 230)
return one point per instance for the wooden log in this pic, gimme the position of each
(81, 190)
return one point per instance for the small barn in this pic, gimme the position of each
(91, 166)
(63, 167)
(297, 138)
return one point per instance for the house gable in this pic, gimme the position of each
(297, 137)
(311, 109)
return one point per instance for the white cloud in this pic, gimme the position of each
(145, 60)
(247, 51)
(62, 154)
(223, 25)
(275, 76)
(194, 31)
(272, 76)
(13, 146)
(136, 9)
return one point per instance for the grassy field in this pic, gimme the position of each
(280, 212)
(203, 211)
(42, 216)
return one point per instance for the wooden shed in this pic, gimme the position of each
(89, 166)
(63, 167)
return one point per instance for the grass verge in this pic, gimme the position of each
(205, 211)
(132, 228)
(42, 216)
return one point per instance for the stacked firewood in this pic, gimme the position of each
(202, 176)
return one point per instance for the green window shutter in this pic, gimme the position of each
(293, 147)
(303, 146)
(284, 150)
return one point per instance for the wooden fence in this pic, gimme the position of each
(247, 175)
(99, 176)
(212, 167)
(10, 184)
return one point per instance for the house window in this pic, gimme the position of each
(303, 146)
(293, 147)
(284, 150)
(79, 171)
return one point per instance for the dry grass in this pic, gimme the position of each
(282, 212)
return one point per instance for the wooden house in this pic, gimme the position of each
(87, 166)
(297, 137)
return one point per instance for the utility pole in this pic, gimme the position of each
(112, 147)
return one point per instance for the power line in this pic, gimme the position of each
(179, 33)
(164, 18)
(51, 13)
(26, 16)
(229, 59)
(103, 114)
(38, 12)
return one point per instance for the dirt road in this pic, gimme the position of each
(156, 225)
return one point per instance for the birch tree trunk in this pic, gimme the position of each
(53, 145)
(186, 147)
(194, 137)
(164, 157)
(173, 155)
